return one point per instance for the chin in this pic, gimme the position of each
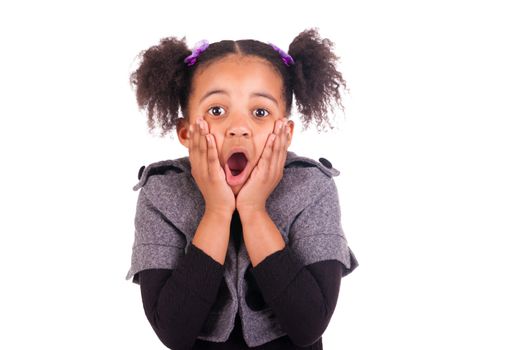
(236, 190)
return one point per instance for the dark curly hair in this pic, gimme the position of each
(163, 80)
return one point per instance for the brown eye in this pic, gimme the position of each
(258, 114)
(214, 110)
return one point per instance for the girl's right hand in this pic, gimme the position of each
(207, 171)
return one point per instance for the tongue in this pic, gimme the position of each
(237, 162)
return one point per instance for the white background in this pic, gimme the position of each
(430, 149)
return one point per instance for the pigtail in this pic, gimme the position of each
(160, 80)
(315, 80)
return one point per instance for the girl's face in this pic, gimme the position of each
(240, 98)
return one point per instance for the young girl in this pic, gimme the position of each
(275, 283)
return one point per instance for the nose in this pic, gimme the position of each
(238, 131)
(238, 126)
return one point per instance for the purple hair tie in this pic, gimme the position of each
(197, 50)
(287, 59)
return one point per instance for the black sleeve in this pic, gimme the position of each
(177, 302)
(302, 298)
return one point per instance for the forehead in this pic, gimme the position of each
(238, 72)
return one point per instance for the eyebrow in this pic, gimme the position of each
(254, 94)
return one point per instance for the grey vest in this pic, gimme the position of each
(304, 206)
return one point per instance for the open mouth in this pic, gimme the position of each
(236, 172)
(237, 163)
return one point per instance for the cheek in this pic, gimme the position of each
(260, 141)
(219, 141)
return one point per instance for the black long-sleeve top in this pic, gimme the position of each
(177, 302)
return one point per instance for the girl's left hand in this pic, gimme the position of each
(268, 172)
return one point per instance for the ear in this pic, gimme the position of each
(183, 133)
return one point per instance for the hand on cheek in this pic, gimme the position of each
(268, 172)
(207, 171)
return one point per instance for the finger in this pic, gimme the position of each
(198, 160)
(276, 149)
(288, 142)
(203, 146)
(212, 156)
(190, 141)
(284, 144)
(214, 166)
(205, 126)
(191, 148)
(264, 161)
